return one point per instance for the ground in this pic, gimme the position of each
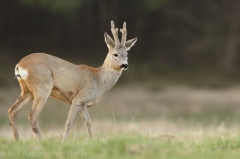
(133, 122)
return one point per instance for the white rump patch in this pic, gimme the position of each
(21, 73)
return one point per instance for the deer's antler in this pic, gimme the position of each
(115, 33)
(124, 34)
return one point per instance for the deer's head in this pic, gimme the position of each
(118, 51)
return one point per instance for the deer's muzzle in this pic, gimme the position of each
(125, 66)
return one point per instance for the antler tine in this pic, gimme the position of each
(115, 33)
(124, 33)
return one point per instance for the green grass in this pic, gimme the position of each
(125, 146)
(133, 123)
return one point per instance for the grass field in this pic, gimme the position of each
(127, 145)
(133, 122)
(132, 145)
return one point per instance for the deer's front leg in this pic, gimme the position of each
(74, 110)
(87, 120)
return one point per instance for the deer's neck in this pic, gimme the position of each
(108, 75)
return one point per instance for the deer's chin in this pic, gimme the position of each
(123, 68)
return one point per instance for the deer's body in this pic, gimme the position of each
(67, 79)
(42, 75)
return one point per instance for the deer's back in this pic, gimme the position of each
(67, 77)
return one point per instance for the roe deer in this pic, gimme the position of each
(42, 75)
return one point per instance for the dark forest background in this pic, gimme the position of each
(174, 36)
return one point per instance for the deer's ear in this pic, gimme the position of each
(109, 41)
(130, 43)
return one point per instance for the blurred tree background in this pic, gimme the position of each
(183, 72)
(200, 36)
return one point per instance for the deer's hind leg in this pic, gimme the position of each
(40, 94)
(25, 98)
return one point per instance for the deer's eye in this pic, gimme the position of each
(116, 55)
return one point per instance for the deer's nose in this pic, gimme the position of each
(124, 66)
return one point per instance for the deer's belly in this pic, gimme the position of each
(64, 97)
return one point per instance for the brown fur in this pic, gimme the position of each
(79, 85)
